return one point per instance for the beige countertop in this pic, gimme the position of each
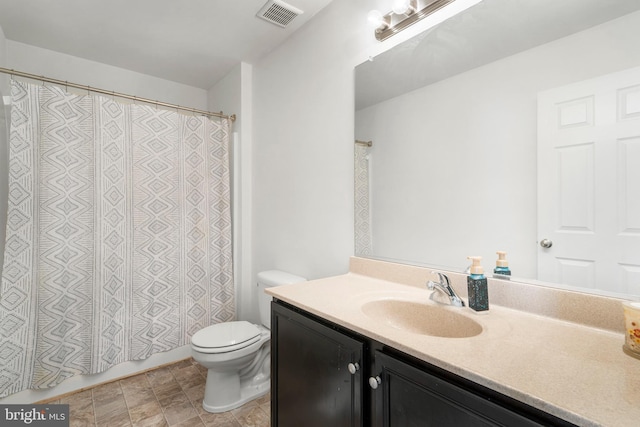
(576, 372)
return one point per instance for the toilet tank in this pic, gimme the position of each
(267, 279)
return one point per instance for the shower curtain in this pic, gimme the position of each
(118, 234)
(363, 238)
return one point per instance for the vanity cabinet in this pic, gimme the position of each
(327, 376)
(408, 396)
(316, 375)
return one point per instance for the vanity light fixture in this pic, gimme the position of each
(403, 14)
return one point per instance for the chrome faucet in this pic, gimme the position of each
(445, 287)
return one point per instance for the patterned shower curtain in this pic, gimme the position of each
(363, 237)
(118, 234)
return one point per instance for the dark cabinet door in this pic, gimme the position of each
(311, 380)
(407, 396)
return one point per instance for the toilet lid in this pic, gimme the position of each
(226, 334)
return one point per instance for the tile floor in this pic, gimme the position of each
(168, 396)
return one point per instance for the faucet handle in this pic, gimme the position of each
(443, 277)
(445, 287)
(431, 285)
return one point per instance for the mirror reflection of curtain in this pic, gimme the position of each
(118, 237)
(363, 241)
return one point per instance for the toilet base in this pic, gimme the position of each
(227, 389)
(247, 393)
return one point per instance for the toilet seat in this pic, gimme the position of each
(225, 337)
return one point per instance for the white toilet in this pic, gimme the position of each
(237, 353)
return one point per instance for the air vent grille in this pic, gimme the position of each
(278, 12)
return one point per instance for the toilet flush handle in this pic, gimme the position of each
(353, 368)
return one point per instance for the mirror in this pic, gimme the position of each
(486, 135)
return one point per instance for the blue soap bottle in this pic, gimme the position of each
(502, 265)
(477, 286)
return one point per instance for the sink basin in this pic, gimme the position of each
(422, 318)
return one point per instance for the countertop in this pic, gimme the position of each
(576, 372)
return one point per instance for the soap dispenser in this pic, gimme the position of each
(502, 265)
(477, 286)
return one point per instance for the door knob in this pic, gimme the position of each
(546, 243)
(353, 368)
(374, 382)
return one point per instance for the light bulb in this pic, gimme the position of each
(400, 7)
(376, 19)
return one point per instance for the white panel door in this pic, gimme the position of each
(589, 183)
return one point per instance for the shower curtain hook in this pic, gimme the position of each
(66, 87)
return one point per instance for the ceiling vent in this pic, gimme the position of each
(278, 12)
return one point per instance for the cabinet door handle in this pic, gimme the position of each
(353, 368)
(374, 382)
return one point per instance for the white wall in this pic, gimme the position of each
(459, 156)
(60, 66)
(4, 80)
(303, 141)
(233, 95)
(3, 61)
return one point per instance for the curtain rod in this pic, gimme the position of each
(367, 143)
(66, 84)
